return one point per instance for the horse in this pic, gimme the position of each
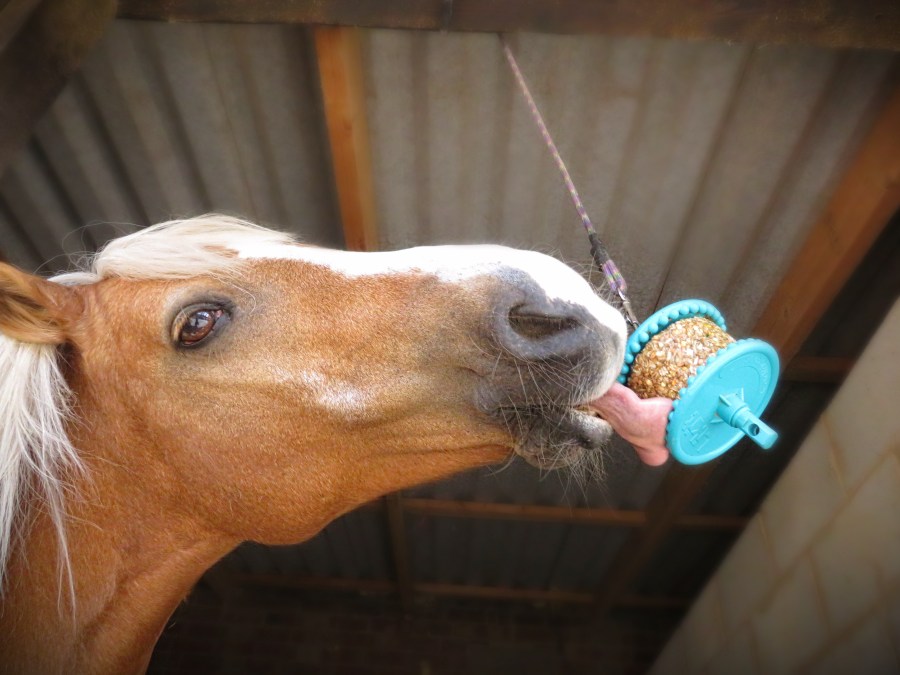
(207, 381)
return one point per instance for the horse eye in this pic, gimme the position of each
(198, 325)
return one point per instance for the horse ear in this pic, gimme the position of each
(33, 309)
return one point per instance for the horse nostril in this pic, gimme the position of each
(538, 326)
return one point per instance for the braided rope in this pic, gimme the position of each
(614, 277)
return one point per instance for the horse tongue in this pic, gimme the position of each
(641, 422)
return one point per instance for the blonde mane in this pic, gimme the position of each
(36, 456)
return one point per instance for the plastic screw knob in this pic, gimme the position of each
(736, 413)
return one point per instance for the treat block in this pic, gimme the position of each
(719, 385)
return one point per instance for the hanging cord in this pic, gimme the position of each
(598, 251)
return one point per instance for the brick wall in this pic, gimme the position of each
(813, 584)
(281, 631)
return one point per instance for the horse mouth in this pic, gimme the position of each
(554, 437)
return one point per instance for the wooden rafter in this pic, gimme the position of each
(534, 513)
(343, 101)
(831, 23)
(860, 208)
(554, 596)
(399, 550)
(41, 52)
(820, 369)
(343, 98)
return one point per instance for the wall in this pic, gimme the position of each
(813, 584)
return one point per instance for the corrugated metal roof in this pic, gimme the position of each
(167, 121)
(703, 165)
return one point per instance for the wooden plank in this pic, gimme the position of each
(399, 550)
(505, 593)
(410, 14)
(343, 97)
(866, 198)
(560, 514)
(451, 590)
(545, 595)
(343, 101)
(523, 512)
(315, 583)
(861, 206)
(818, 369)
(50, 46)
(831, 23)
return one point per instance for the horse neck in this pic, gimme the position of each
(133, 559)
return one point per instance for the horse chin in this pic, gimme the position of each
(556, 437)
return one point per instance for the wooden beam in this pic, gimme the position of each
(399, 550)
(343, 101)
(522, 512)
(49, 47)
(343, 97)
(316, 583)
(560, 514)
(818, 369)
(874, 24)
(861, 206)
(551, 596)
(863, 203)
(505, 593)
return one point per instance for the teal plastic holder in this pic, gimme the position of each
(722, 402)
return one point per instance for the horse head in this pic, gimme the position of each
(212, 372)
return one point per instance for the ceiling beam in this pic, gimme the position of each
(343, 101)
(44, 46)
(343, 98)
(553, 596)
(534, 513)
(314, 583)
(818, 369)
(399, 550)
(861, 206)
(830, 23)
(858, 211)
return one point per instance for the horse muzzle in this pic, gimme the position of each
(552, 356)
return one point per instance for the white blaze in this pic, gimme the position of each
(454, 264)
